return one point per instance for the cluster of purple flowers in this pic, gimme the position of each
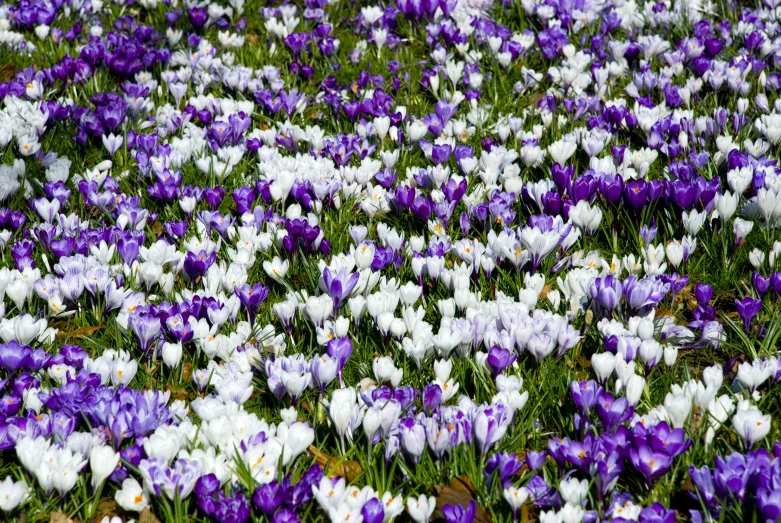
(737, 480)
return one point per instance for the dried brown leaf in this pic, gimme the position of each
(107, 508)
(7, 72)
(178, 393)
(688, 485)
(146, 516)
(589, 316)
(345, 468)
(463, 483)
(59, 517)
(81, 332)
(527, 514)
(583, 362)
(535, 99)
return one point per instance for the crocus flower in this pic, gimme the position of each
(372, 511)
(769, 503)
(652, 465)
(340, 286)
(606, 292)
(459, 513)
(499, 359)
(251, 297)
(748, 308)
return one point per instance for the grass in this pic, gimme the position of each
(550, 410)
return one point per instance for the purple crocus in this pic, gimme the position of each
(584, 394)
(268, 497)
(432, 397)
(662, 438)
(761, 284)
(769, 503)
(731, 476)
(657, 513)
(499, 359)
(459, 514)
(748, 308)
(341, 349)
(612, 411)
(196, 265)
(652, 465)
(535, 460)
(147, 329)
(180, 329)
(285, 515)
(643, 293)
(703, 292)
(606, 292)
(251, 298)
(339, 286)
(324, 369)
(232, 509)
(372, 511)
(14, 356)
(506, 465)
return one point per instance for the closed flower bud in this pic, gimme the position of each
(102, 462)
(172, 354)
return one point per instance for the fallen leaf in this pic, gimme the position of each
(688, 297)
(583, 361)
(7, 72)
(661, 311)
(107, 508)
(366, 383)
(187, 371)
(688, 485)
(345, 468)
(151, 367)
(696, 419)
(59, 517)
(527, 514)
(81, 332)
(447, 495)
(535, 99)
(589, 316)
(302, 280)
(178, 393)
(522, 456)
(146, 516)
(463, 483)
